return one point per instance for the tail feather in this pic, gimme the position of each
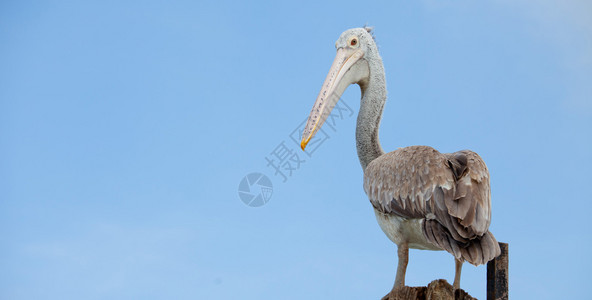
(476, 251)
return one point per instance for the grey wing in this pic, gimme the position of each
(470, 201)
(450, 191)
(402, 182)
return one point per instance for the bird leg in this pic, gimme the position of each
(403, 252)
(457, 269)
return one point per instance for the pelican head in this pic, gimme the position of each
(349, 67)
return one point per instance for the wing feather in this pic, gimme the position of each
(418, 181)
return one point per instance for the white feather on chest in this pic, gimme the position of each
(400, 230)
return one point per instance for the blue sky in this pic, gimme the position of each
(126, 128)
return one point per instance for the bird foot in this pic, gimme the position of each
(403, 292)
(388, 296)
(437, 289)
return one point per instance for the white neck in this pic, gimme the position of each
(371, 106)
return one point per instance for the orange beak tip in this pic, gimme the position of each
(303, 145)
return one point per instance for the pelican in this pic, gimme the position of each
(422, 199)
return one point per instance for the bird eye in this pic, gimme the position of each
(353, 42)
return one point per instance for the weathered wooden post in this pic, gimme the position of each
(497, 275)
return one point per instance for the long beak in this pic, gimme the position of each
(330, 93)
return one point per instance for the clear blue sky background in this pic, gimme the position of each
(126, 126)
